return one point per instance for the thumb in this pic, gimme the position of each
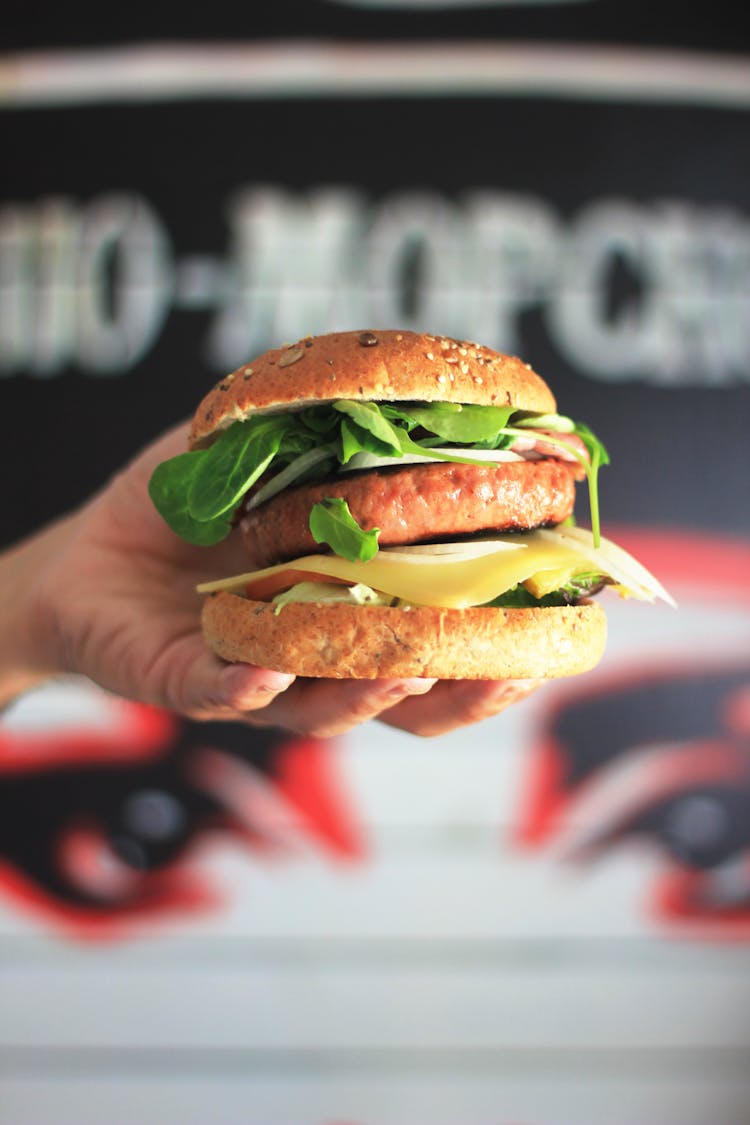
(198, 684)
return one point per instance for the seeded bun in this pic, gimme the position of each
(378, 366)
(341, 641)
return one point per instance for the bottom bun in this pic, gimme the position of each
(371, 642)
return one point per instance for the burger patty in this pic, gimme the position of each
(417, 504)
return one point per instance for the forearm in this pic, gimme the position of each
(30, 652)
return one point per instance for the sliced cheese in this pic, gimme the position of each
(455, 580)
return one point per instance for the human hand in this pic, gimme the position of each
(109, 593)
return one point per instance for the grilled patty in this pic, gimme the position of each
(417, 504)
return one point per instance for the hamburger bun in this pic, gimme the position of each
(382, 366)
(340, 641)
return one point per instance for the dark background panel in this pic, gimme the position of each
(716, 26)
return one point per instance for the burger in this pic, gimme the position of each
(406, 503)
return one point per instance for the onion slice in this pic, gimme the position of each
(612, 560)
(289, 474)
(451, 552)
(365, 460)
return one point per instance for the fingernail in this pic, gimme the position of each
(240, 680)
(274, 682)
(519, 689)
(418, 686)
(415, 686)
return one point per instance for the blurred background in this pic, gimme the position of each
(544, 920)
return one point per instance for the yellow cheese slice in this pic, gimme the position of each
(458, 578)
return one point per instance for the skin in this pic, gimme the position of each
(108, 592)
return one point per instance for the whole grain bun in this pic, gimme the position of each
(377, 366)
(368, 642)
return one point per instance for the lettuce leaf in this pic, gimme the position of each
(518, 597)
(169, 489)
(332, 523)
(197, 493)
(463, 424)
(233, 464)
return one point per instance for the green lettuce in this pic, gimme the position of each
(197, 493)
(518, 597)
(332, 523)
(169, 489)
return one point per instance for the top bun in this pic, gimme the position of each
(379, 366)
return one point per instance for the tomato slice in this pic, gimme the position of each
(266, 588)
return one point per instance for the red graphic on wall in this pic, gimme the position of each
(99, 826)
(659, 751)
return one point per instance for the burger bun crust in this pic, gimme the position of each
(380, 366)
(341, 641)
